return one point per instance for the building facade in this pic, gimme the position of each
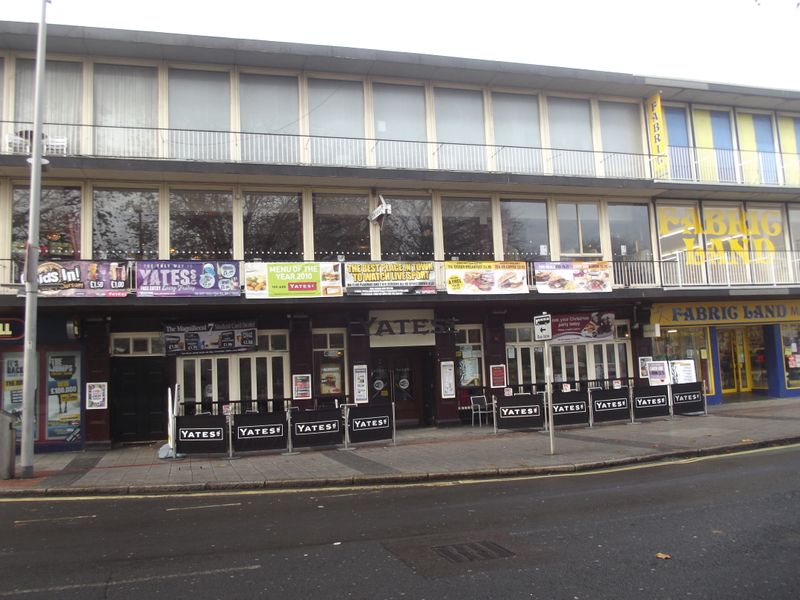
(253, 221)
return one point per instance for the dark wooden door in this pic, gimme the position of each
(138, 397)
(397, 377)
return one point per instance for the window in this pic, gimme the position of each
(571, 134)
(715, 156)
(125, 224)
(686, 343)
(794, 224)
(272, 226)
(790, 335)
(516, 133)
(524, 229)
(125, 111)
(199, 114)
(757, 148)
(469, 355)
(621, 131)
(629, 225)
(341, 228)
(329, 361)
(460, 129)
(137, 344)
(269, 118)
(336, 119)
(400, 124)
(524, 357)
(678, 151)
(59, 227)
(467, 225)
(200, 225)
(789, 131)
(407, 234)
(579, 228)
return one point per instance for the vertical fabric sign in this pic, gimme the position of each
(658, 137)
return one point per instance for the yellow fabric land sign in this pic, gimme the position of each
(724, 313)
(658, 137)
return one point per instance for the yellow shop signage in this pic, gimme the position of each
(721, 313)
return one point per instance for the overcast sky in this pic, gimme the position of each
(747, 42)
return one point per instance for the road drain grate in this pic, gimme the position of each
(472, 552)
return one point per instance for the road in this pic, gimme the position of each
(725, 527)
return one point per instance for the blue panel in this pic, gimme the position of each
(717, 397)
(677, 130)
(764, 140)
(721, 129)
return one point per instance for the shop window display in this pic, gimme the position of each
(790, 334)
(686, 343)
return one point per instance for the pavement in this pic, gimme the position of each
(419, 455)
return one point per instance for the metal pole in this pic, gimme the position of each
(30, 375)
(394, 426)
(549, 395)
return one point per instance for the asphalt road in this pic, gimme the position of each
(729, 525)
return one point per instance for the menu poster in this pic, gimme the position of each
(682, 371)
(497, 376)
(360, 384)
(448, 379)
(582, 327)
(478, 278)
(572, 277)
(301, 387)
(293, 280)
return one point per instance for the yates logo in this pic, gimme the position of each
(611, 404)
(571, 408)
(682, 397)
(244, 432)
(648, 401)
(200, 434)
(316, 428)
(510, 412)
(364, 423)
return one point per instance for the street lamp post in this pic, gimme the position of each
(30, 374)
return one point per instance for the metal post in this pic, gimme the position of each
(394, 426)
(494, 416)
(346, 427)
(289, 450)
(29, 376)
(549, 396)
(229, 418)
(590, 406)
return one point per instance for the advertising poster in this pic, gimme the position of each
(389, 278)
(13, 370)
(360, 384)
(643, 360)
(210, 338)
(330, 378)
(301, 387)
(497, 376)
(682, 371)
(658, 372)
(486, 277)
(582, 327)
(448, 379)
(187, 279)
(97, 396)
(572, 277)
(63, 396)
(83, 279)
(293, 280)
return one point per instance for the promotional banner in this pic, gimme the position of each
(63, 396)
(520, 411)
(186, 279)
(570, 408)
(370, 423)
(260, 431)
(201, 434)
(610, 405)
(97, 395)
(83, 279)
(582, 327)
(658, 137)
(688, 398)
(572, 277)
(486, 277)
(317, 428)
(650, 401)
(210, 338)
(292, 280)
(389, 278)
(682, 371)
(13, 370)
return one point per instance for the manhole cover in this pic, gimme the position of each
(472, 552)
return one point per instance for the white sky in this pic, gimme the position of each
(747, 42)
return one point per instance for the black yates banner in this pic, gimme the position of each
(570, 408)
(370, 423)
(260, 431)
(650, 401)
(610, 405)
(201, 434)
(317, 428)
(521, 411)
(688, 398)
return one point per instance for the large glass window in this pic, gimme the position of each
(200, 224)
(407, 234)
(571, 136)
(336, 116)
(686, 343)
(467, 226)
(400, 124)
(125, 111)
(678, 151)
(269, 105)
(630, 231)
(460, 129)
(516, 133)
(715, 156)
(272, 226)
(341, 228)
(329, 362)
(59, 226)
(621, 131)
(124, 224)
(199, 114)
(469, 355)
(579, 228)
(790, 334)
(794, 224)
(524, 229)
(757, 148)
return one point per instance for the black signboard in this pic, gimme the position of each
(201, 434)
(317, 428)
(688, 398)
(521, 411)
(370, 423)
(650, 401)
(260, 431)
(610, 405)
(570, 408)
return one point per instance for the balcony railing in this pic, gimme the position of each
(683, 163)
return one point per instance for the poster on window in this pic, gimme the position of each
(572, 277)
(469, 372)
(486, 277)
(330, 378)
(301, 387)
(448, 379)
(79, 278)
(389, 278)
(97, 396)
(292, 280)
(682, 371)
(13, 371)
(497, 376)
(213, 337)
(582, 327)
(63, 396)
(187, 278)
(360, 384)
(658, 372)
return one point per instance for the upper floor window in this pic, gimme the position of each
(200, 224)
(621, 132)
(679, 153)
(269, 116)
(460, 129)
(407, 234)
(124, 224)
(629, 225)
(579, 228)
(272, 226)
(789, 131)
(517, 133)
(467, 228)
(757, 148)
(570, 123)
(524, 229)
(714, 140)
(400, 124)
(336, 119)
(341, 228)
(199, 109)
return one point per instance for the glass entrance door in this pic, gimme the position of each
(734, 360)
(396, 377)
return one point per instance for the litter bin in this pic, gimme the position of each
(8, 444)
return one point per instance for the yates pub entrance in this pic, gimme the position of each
(402, 375)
